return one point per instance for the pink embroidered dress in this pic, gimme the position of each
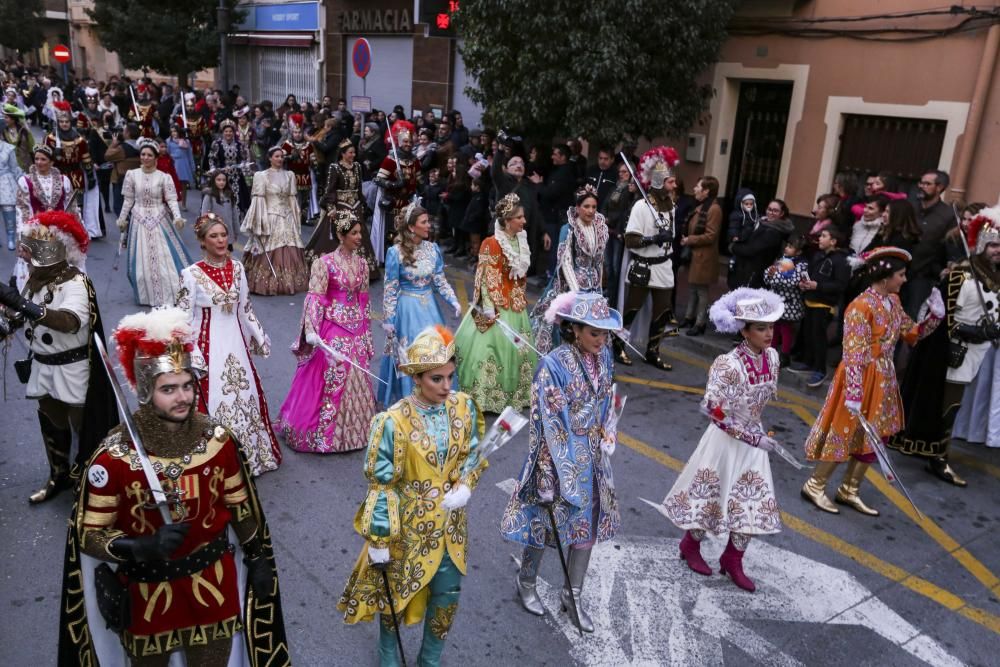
(228, 334)
(726, 485)
(331, 403)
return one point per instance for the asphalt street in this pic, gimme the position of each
(832, 590)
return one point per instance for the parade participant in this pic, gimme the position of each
(494, 369)
(71, 156)
(865, 381)
(648, 237)
(579, 263)
(331, 402)
(939, 370)
(414, 270)
(228, 155)
(419, 540)
(165, 163)
(43, 188)
(151, 220)
(60, 315)
(397, 182)
(726, 485)
(343, 196)
(300, 158)
(246, 135)
(17, 134)
(569, 442)
(214, 293)
(180, 152)
(10, 171)
(218, 198)
(179, 579)
(277, 263)
(196, 128)
(146, 118)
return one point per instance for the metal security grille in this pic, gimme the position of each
(273, 73)
(904, 147)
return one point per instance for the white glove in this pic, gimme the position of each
(456, 498)
(179, 224)
(122, 224)
(377, 555)
(766, 443)
(458, 311)
(313, 339)
(854, 407)
(608, 446)
(389, 328)
(935, 303)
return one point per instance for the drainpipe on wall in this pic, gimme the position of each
(970, 138)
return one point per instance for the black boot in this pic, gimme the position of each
(58, 443)
(621, 356)
(938, 466)
(656, 334)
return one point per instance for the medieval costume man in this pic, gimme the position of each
(648, 238)
(146, 116)
(196, 129)
(58, 310)
(943, 365)
(397, 182)
(181, 552)
(228, 155)
(865, 381)
(726, 485)
(422, 466)
(71, 156)
(300, 159)
(567, 473)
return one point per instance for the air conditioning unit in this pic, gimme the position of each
(695, 151)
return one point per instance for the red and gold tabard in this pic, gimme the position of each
(301, 158)
(71, 158)
(147, 112)
(203, 485)
(406, 169)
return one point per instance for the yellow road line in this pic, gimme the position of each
(932, 529)
(931, 591)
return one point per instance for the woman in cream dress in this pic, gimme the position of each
(156, 254)
(275, 256)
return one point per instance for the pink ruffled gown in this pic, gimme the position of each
(331, 403)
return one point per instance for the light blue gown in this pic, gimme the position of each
(409, 305)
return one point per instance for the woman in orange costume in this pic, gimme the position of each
(865, 381)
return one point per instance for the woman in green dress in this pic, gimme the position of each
(495, 357)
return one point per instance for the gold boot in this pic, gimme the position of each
(847, 494)
(814, 489)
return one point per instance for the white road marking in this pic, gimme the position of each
(648, 608)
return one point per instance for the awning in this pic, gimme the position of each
(292, 39)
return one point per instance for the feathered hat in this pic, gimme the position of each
(296, 121)
(588, 308)
(399, 129)
(432, 348)
(983, 229)
(63, 109)
(53, 236)
(743, 305)
(657, 165)
(151, 344)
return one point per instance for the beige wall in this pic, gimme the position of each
(932, 79)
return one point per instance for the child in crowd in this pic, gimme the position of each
(476, 222)
(430, 197)
(822, 291)
(741, 222)
(218, 198)
(783, 278)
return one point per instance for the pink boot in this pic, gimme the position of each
(691, 554)
(731, 562)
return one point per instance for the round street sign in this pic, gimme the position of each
(61, 53)
(361, 57)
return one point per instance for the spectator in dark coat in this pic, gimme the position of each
(556, 196)
(935, 219)
(758, 249)
(508, 176)
(602, 175)
(459, 132)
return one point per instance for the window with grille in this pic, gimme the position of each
(905, 147)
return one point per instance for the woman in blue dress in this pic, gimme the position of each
(414, 271)
(571, 436)
(579, 263)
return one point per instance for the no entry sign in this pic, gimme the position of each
(61, 53)
(361, 57)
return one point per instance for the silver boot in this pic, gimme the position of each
(527, 576)
(579, 559)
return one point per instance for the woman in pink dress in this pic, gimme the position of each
(331, 402)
